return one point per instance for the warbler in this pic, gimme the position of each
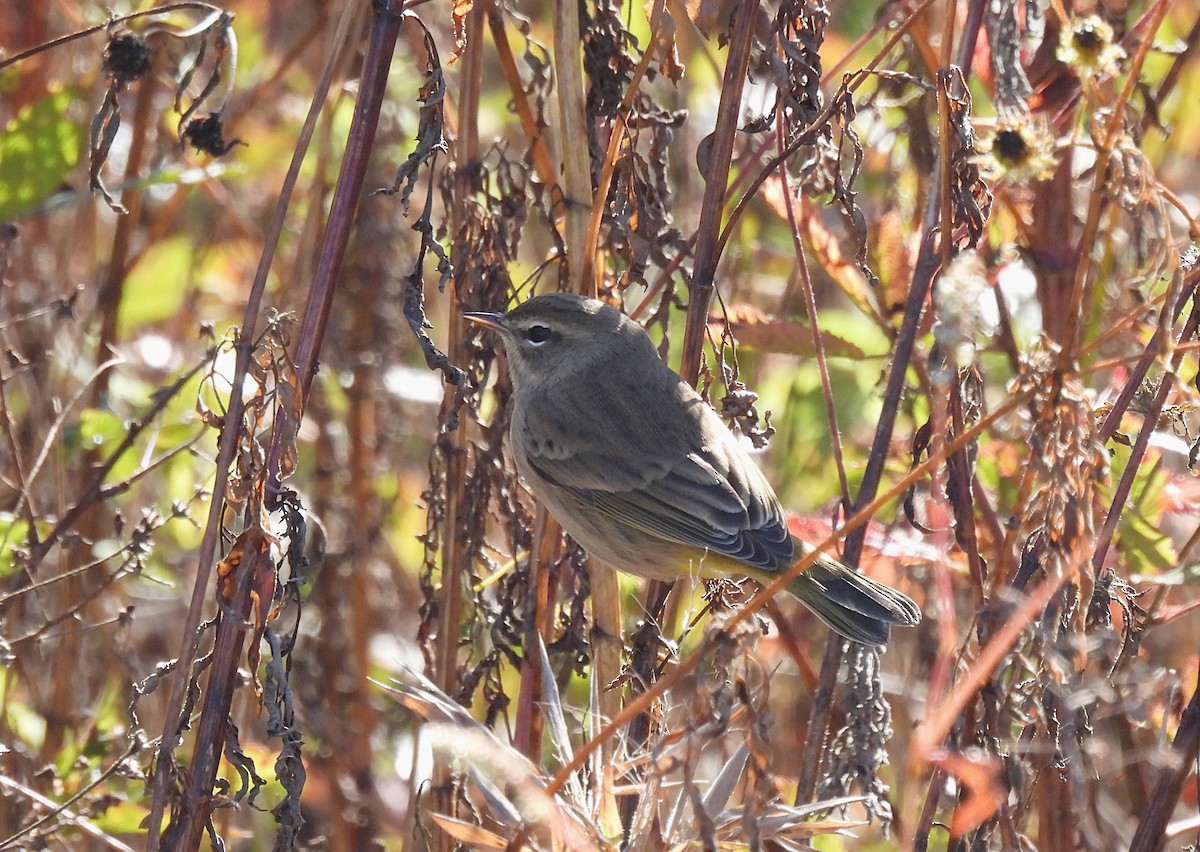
(642, 473)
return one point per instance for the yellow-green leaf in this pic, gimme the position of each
(37, 150)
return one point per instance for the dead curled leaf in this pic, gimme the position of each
(255, 545)
(754, 329)
(979, 774)
(472, 835)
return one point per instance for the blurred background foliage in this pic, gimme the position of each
(1066, 308)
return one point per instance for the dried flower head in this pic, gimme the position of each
(1018, 150)
(207, 135)
(1088, 46)
(126, 57)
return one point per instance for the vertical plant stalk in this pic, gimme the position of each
(933, 793)
(573, 136)
(386, 19)
(810, 308)
(453, 444)
(592, 273)
(359, 598)
(227, 447)
(530, 723)
(928, 262)
(645, 649)
(1149, 426)
(1171, 78)
(187, 827)
(542, 162)
(720, 155)
(108, 300)
(643, 665)
(608, 650)
(381, 44)
(1084, 280)
(66, 655)
(582, 208)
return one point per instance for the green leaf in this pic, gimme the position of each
(122, 818)
(97, 428)
(155, 287)
(37, 150)
(1144, 546)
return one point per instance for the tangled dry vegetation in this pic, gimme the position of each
(936, 258)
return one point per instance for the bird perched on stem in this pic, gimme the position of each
(637, 467)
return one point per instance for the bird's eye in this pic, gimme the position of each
(537, 335)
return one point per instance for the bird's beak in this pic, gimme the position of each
(486, 319)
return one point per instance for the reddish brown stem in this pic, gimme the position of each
(720, 154)
(244, 348)
(187, 829)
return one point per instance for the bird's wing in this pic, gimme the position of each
(704, 493)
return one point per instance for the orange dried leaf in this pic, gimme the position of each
(670, 64)
(709, 16)
(754, 329)
(473, 836)
(979, 773)
(458, 18)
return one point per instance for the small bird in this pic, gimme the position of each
(639, 470)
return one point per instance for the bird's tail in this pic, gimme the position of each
(853, 605)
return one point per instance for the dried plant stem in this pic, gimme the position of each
(960, 471)
(58, 812)
(720, 154)
(937, 725)
(810, 308)
(820, 719)
(67, 650)
(805, 137)
(381, 43)
(95, 491)
(790, 642)
(914, 306)
(188, 824)
(187, 832)
(1151, 353)
(1083, 280)
(108, 24)
(453, 444)
(112, 288)
(573, 144)
(1149, 425)
(643, 666)
(529, 722)
(933, 793)
(883, 21)
(542, 162)
(1171, 78)
(592, 272)
(904, 345)
(243, 348)
(608, 648)
(699, 294)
